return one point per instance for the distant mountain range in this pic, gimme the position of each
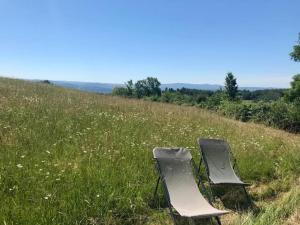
(88, 86)
(108, 87)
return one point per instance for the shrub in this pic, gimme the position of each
(120, 91)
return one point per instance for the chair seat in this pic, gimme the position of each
(183, 191)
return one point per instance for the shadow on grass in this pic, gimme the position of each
(235, 198)
(203, 221)
(160, 203)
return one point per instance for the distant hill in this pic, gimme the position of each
(88, 86)
(210, 87)
(108, 87)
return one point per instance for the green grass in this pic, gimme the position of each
(68, 157)
(275, 213)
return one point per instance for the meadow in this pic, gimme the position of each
(70, 157)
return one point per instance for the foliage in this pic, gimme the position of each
(262, 106)
(293, 95)
(185, 96)
(121, 91)
(46, 82)
(130, 87)
(262, 95)
(147, 87)
(277, 114)
(295, 54)
(142, 88)
(231, 87)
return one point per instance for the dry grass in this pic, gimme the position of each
(294, 219)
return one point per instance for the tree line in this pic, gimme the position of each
(274, 107)
(142, 88)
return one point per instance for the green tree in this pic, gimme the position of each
(147, 87)
(120, 91)
(231, 87)
(141, 89)
(295, 54)
(130, 87)
(293, 94)
(154, 86)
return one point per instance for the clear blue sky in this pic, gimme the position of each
(175, 40)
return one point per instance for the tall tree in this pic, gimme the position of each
(154, 86)
(130, 87)
(141, 88)
(231, 87)
(147, 87)
(294, 93)
(295, 54)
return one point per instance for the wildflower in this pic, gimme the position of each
(19, 166)
(98, 196)
(13, 188)
(48, 152)
(47, 196)
(22, 156)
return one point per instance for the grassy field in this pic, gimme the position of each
(69, 157)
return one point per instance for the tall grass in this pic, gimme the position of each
(68, 157)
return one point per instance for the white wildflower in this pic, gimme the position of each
(47, 196)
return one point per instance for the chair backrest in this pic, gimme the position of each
(177, 173)
(216, 156)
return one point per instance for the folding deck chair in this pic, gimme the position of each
(181, 191)
(216, 156)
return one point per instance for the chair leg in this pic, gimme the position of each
(247, 196)
(198, 172)
(156, 188)
(212, 193)
(172, 214)
(218, 220)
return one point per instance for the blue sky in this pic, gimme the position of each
(176, 41)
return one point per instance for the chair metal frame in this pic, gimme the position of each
(235, 169)
(167, 197)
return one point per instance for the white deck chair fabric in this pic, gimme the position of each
(184, 195)
(216, 154)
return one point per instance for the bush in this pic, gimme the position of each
(277, 114)
(120, 91)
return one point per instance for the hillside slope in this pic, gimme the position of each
(69, 157)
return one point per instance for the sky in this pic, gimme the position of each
(112, 41)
